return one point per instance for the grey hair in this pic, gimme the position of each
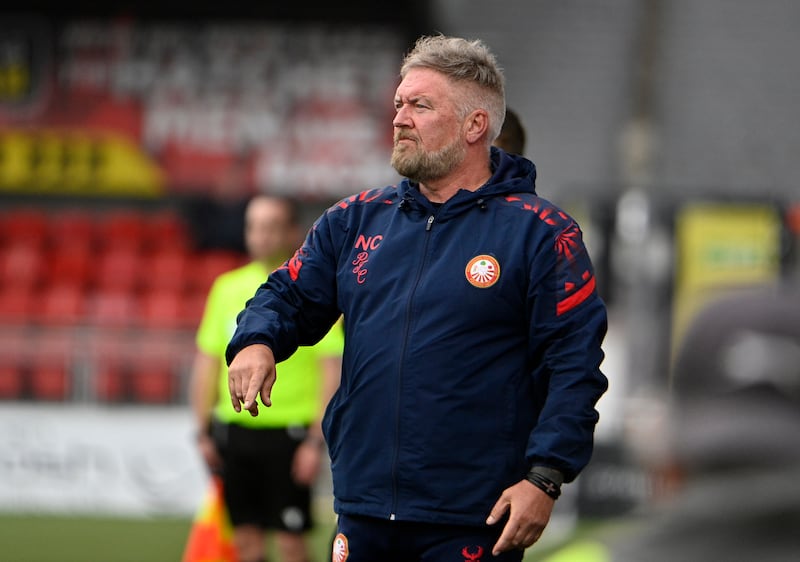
(466, 61)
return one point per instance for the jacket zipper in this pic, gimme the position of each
(407, 326)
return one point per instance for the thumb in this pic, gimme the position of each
(500, 508)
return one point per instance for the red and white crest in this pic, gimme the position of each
(482, 271)
(341, 550)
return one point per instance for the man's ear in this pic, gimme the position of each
(476, 125)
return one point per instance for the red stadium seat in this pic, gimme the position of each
(209, 265)
(21, 265)
(119, 271)
(110, 382)
(166, 270)
(108, 355)
(113, 309)
(11, 380)
(50, 364)
(16, 305)
(24, 226)
(156, 372)
(169, 309)
(194, 305)
(14, 355)
(61, 304)
(122, 230)
(162, 309)
(153, 380)
(71, 264)
(49, 380)
(72, 227)
(166, 230)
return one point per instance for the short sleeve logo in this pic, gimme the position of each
(482, 271)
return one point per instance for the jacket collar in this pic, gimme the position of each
(510, 174)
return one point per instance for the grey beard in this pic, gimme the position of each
(422, 167)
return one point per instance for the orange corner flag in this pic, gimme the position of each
(211, 535)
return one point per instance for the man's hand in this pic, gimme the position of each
(306, 461)
(252, 371)
(529, 512)
(209, 452)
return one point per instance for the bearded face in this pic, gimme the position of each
(429, 139)
(411, 159)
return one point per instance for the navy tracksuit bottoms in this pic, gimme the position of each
(368, 539)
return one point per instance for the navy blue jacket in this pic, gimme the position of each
(472, 343)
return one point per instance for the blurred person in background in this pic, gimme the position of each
(736, 437)
(472, 325)
(512, 134)
(733, 445)
(217, 215)
(267, 463)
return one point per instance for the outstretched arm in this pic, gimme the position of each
(296, 306)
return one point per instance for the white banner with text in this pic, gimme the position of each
(90, 459)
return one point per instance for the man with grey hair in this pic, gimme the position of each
(473, 332)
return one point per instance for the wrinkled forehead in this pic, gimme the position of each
(424, 82)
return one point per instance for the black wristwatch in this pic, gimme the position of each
(547, 479)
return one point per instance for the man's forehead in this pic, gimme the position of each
(265, 208)
(422, 82)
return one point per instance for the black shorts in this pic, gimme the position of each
(259, 489)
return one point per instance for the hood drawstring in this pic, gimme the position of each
(405, 204)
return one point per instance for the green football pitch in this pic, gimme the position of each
(93, 539)
(38, 538)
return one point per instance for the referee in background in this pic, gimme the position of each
(275, 456)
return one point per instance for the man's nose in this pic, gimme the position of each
(401, 118)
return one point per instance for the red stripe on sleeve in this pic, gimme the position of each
(575, 299)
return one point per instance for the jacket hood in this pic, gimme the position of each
(510, 174)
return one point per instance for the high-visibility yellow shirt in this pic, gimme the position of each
(296, 394)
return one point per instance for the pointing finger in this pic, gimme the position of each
(252, 391)
(505, 542)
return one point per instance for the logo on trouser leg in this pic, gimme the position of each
(470, 556)
(340, 549)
